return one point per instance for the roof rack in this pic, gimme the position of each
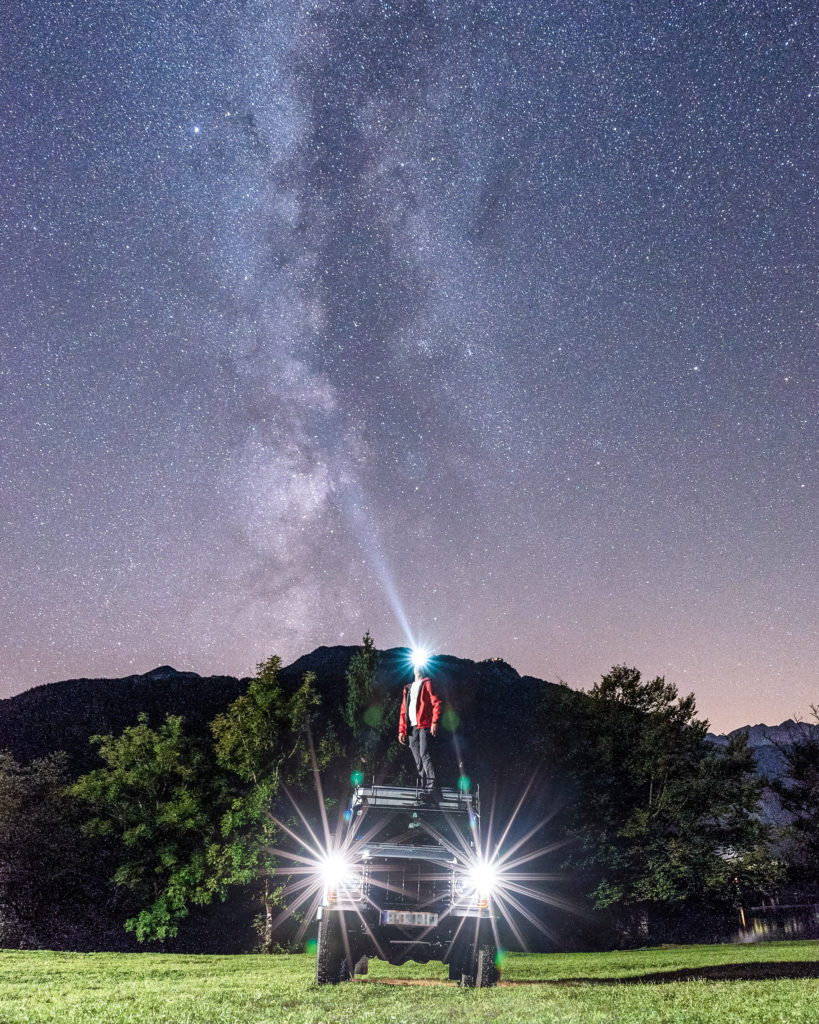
(411, 797)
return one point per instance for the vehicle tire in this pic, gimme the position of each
(346, 967)
(480, 971)
(467, 967)
(329, 953)
(486, 973)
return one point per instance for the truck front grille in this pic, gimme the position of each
(409, 885)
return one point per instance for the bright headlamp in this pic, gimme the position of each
(484, 878)
(420, 657)
(342, 880)
(477, 884)
(335, 869)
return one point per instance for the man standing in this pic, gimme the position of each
(420, 711)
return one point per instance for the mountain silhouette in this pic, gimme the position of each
(486, 697)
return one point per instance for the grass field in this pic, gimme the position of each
(774, 983)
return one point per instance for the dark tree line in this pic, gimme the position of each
(652, 824)
(798, 794)
(658, 821)
(53, 884)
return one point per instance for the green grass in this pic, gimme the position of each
(642, 987)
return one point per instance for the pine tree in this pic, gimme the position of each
(798, 792)
(360, 678)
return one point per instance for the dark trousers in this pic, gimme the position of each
(419, 742)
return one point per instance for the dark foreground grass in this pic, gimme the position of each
(771, 983)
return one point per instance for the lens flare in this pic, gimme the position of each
(335, 869)
(420, 657)
(484, 876)
(496, 872)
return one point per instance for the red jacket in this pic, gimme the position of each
(428, 710)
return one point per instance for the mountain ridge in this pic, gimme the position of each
(64, 714)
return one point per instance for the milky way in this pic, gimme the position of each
(490, 323)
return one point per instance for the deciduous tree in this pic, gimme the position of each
(191, 814)
(261, 743)
(655, 814)
(159, 799)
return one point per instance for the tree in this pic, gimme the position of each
(191, 813)
(798, 792)
(655, 814)
(370, 714)
(360, 677)
(160, 800)
(261, 742)
(50, 892)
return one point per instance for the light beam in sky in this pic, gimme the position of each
(506, 308)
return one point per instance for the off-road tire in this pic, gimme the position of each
(346, 968)
(480, 970)
(330, 959)
(486, 973)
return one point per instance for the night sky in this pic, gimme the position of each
(487, 324)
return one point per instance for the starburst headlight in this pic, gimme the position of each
(484, 876)
(477, 884)
(342, 879)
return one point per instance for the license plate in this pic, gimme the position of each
(407, 917)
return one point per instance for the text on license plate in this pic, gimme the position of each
(407, 917)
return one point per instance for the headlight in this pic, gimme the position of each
(335, 869)
(477, 885)
(484, 877)
(464, 886)
(342, 879)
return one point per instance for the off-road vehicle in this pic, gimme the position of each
(408, 882)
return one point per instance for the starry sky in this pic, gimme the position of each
(485, 325)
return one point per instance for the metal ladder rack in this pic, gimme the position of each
(409, 797)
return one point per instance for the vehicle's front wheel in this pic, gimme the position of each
(486, 974)
(332, 965)
(480, 971)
